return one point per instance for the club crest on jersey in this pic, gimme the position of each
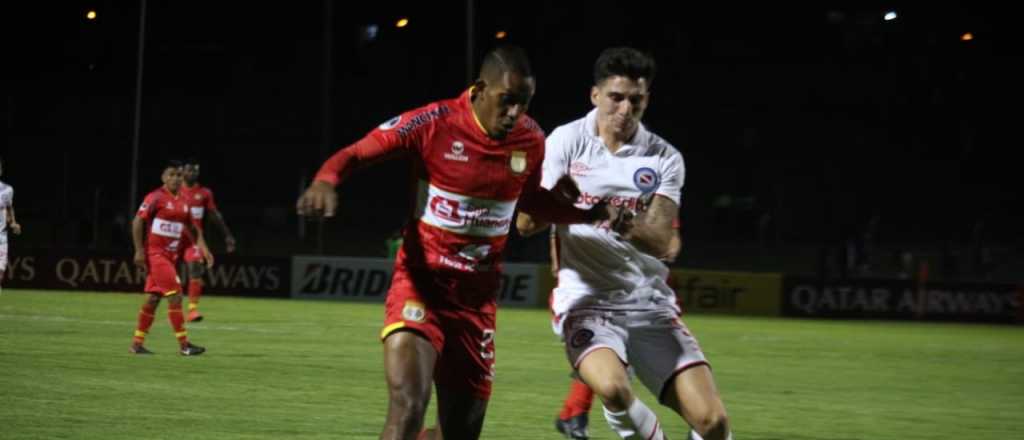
(457, 153)
(197, 197)
(517, 162)
(390, 123)
(581, 337)
(646, 180)
(414, 311)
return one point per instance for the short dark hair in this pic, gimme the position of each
(173, 163)
(511, 59)
(191, 161)
(624, 61)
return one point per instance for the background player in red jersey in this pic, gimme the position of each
(200, 200)
(164, 212)
(477, 158)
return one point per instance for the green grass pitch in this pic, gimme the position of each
(312, 370)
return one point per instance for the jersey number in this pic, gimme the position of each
(485, 343)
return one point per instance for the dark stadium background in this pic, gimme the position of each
(801, 126)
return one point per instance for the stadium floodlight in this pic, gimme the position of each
(500, 35)
(890, 16)
(90, 15)
(402, 22)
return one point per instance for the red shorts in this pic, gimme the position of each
(161, 277)
(464, 339)
(192, 254)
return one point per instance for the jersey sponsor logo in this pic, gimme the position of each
(414, 311)
(581, 337)
(463, 214)
(616, 201)
(646, 180)
(458, 152)
(579, 169)
(517, 162)
(166, 228)
(197, 212)
(421, 119)
(390, 123)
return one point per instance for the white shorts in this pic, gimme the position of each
(655, 343)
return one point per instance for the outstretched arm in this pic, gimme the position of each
(320, 199)
(201, 242)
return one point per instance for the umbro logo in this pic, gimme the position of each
(457, 153)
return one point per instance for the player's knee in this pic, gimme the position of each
(714, 425)
(409, 405)
(615, 393)
(196, 272)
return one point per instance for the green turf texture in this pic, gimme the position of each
(312, 370)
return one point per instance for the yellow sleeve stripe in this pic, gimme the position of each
(390, 328)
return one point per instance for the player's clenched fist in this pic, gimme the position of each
(320, 199)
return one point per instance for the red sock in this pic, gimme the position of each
(195, 290)
(145, 322)
(578, 401)
(177, 323)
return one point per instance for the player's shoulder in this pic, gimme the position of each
(571, 130)
(570, 137)
(156, 194)
(657, 145)
(4, 187)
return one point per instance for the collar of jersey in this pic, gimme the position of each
(590, 129)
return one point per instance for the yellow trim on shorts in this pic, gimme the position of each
(169, 293)
(391, 328)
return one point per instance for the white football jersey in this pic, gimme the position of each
(6, 200)
(597, 268)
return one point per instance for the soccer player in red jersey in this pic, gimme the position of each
(477, 159)
(200, 200)
(164, 212)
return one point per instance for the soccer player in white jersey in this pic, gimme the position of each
(612, 306)
(7, 221)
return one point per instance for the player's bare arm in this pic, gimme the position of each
(229, 239)
(674, 247)
(138, 228)
(651, 231)
(201, 242)
(565, 192)
(15, 227)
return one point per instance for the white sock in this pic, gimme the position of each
(695, 436)
(637, 422)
